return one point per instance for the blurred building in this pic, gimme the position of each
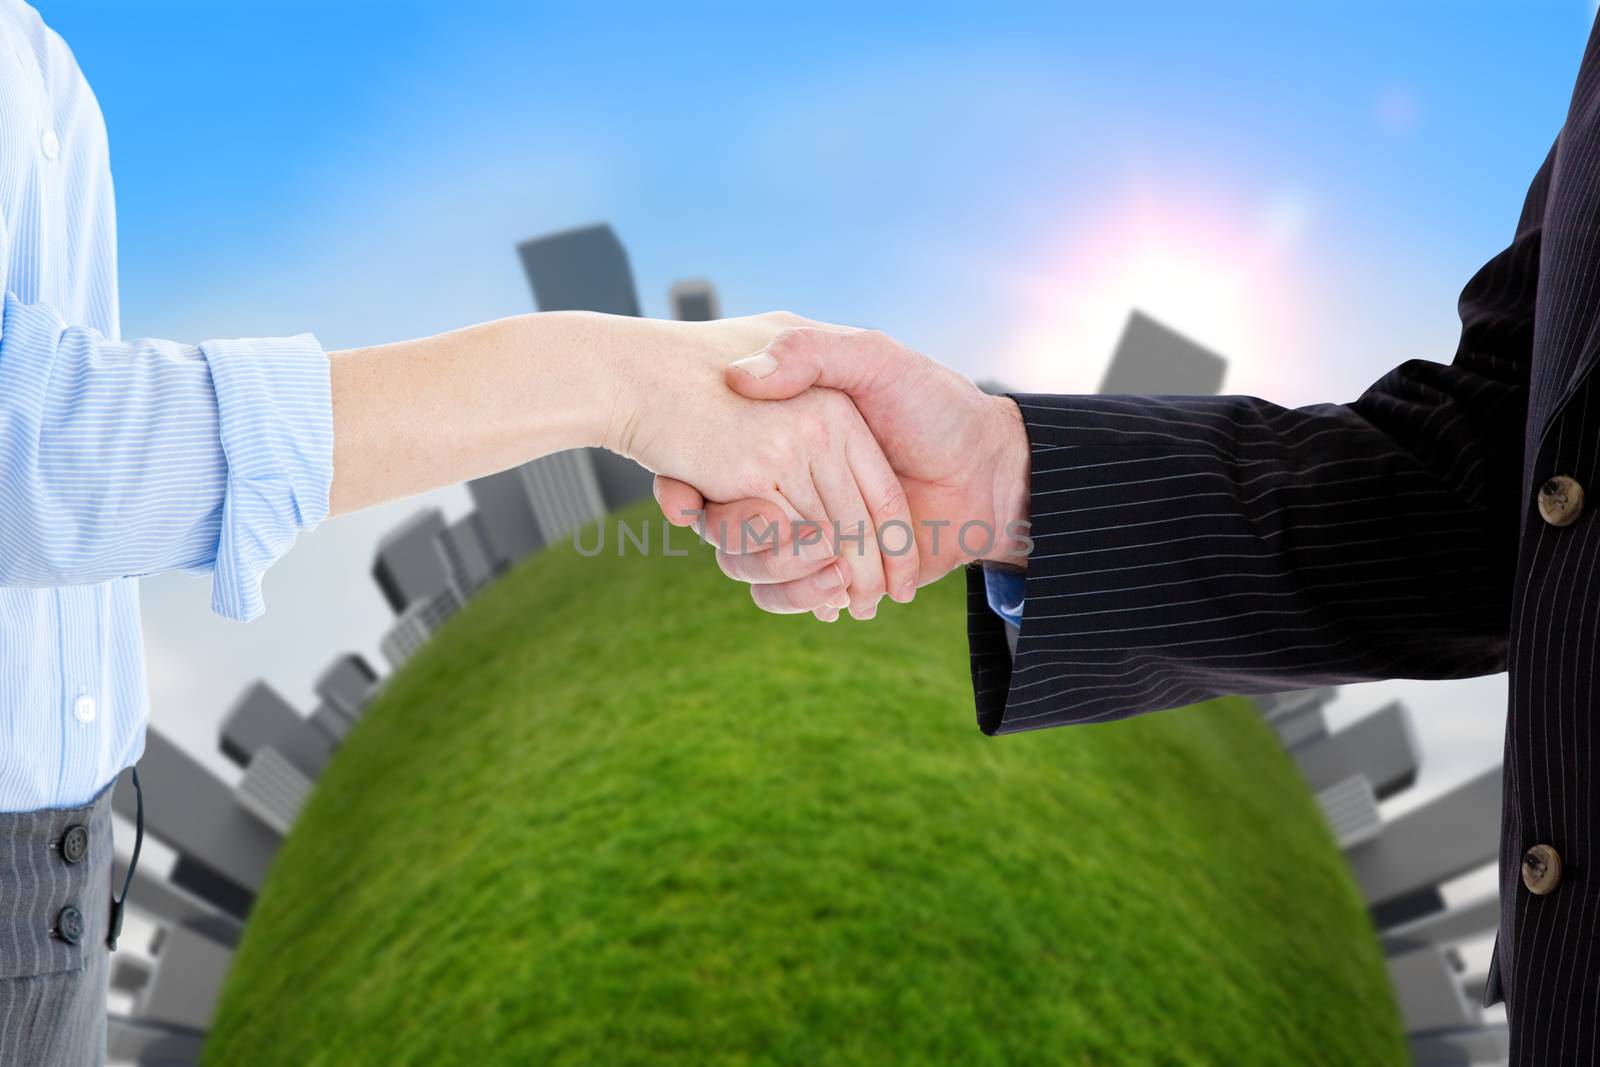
(1153, 359)
(585, 269)
(694, 300)
(408, 566)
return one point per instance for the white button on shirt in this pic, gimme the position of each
(49, 144)
(83, 708)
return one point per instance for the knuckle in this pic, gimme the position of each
(785, 340)
(870, 588)
(771, 452)
(814, 431)
(891, 499)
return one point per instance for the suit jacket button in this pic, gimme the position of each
(74, 844)
(69, 925)
(1541, 869)
(1560, 501)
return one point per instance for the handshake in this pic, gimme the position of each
(831, 467)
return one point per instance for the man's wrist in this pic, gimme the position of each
(1012, 464)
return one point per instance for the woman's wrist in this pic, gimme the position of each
(654, 373)
(646, 375)
(599, 370)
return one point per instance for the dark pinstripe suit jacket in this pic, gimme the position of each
(1187, 547)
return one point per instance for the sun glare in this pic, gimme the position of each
(1217, 271)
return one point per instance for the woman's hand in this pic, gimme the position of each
(962, 457)
(810, 460)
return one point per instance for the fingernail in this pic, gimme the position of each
(757, 366)
(829, 578)
(863, 614)
(827, 614)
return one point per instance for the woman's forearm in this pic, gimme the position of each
(416, 415)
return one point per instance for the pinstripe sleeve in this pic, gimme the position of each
(121, 459)
(1187, 547)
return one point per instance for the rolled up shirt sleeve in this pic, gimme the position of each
(120, 459)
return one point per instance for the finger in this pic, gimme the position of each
(823, 590)
(890, 514)
(746, 526)
(753, 527)
(680, 502)
(773, 538)
(765, 568)
(811, 531)
(855, 541)
(854, 362)
(827, 614)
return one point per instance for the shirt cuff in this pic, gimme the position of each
(1004, 590)
(275, 414)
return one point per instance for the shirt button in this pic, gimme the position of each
(74, 844)
(1541, 869)
(49, 144)
(83, 709)
(1560, 501)
(69, 925)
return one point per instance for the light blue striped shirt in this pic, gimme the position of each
(117, 458)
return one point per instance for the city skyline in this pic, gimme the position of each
(1012, 185)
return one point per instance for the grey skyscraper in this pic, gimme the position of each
(565, 491)
(334, 723)
(347, 684)
(183, 991)
(620, 480)
(1154, 359)
(416, 624)
(224, 851)
(408, 566)
(586, 269)
(505, 515)
(260, 718)
(465, 551)
(694, 300)
(541, 502)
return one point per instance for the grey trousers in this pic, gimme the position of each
(55, 906)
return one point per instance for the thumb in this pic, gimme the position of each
(852, 362)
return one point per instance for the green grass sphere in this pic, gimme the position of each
(613, 814)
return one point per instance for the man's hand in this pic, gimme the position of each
(961, 457)
(810, 465)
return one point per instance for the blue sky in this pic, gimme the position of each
(362, 169)
(1303, 186)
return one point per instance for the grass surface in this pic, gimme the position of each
(614, 815)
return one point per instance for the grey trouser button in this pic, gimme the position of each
(74, 843)
(69, 925)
